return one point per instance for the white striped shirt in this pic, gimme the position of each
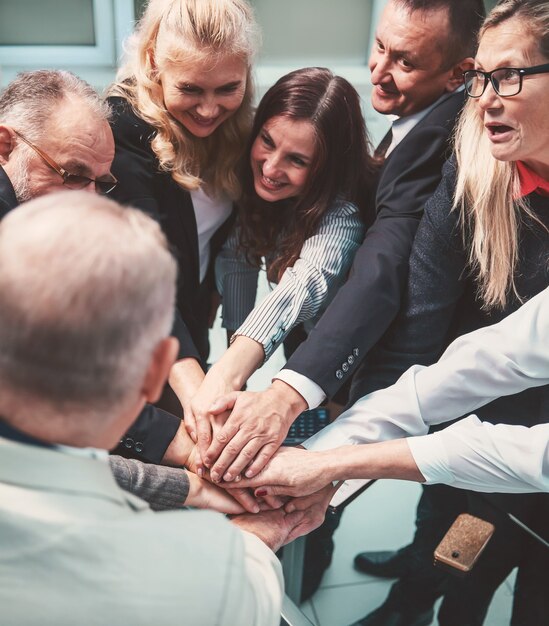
(304, 290)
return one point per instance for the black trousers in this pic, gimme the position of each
(466, 600)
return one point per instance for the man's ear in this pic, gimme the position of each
(163, 358)
(7, 143)
(455, 79)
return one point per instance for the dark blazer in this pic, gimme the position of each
(141, 184)
(144, 186)
(367, 303)
(8, 201)
(441, 303)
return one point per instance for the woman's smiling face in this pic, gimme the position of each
(204, 94)
(281, 158)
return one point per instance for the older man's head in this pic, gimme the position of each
(87, 293)
(54, 134)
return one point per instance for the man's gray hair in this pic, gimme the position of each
(28, 101)
(87, 291)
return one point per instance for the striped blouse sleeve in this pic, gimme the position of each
(306, 288)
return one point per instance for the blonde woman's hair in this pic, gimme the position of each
(487, 190)
(184, 32)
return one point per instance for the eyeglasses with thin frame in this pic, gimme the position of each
(73, 181)
(506, 81)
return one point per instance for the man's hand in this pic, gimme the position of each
(257, 425)
(274, 528)
(291, 472)
(314, 507)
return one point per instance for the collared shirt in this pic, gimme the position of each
(312, 393)
(14, 434)
(494, 361)
(403, 125)
(531, 182)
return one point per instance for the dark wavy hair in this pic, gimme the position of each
(342, 164)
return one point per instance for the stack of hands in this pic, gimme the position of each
(232, 446)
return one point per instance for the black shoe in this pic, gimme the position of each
(386, 616)
(385, 564)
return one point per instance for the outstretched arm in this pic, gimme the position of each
(302, 292)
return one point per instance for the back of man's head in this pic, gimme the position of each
(28, 101)
(465, 18)
(87, 293)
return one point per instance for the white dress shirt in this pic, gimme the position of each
(477, 368)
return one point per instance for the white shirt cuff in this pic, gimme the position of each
(310, 391)
(430, 456)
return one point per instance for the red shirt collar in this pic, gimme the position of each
(531, 182)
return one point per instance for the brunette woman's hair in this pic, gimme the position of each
(342, 165)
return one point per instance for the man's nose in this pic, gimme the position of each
(380, 68)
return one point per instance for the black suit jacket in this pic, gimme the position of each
(367, 303)
(141, 184)
(8, 201)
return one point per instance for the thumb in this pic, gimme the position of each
(224, 403)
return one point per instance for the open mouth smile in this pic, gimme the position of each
(271, 183)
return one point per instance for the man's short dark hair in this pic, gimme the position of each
(465, 18)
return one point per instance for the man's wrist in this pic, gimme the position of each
(180, 448)
(294, 402)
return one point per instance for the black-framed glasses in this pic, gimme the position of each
(506, 81)
(105, 184)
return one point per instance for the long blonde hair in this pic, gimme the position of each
(184, 31)
(487, 190)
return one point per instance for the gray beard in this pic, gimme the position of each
(20, 180)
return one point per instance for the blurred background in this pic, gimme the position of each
(87, 37)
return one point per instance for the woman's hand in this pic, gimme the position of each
(291, 472)
(207, 424)
(186, 376)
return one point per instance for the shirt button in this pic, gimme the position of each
(139, 446)
(339, 374)
(355, 351)
(128, 442)
(345, 367)
(350, 359)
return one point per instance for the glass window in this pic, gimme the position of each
(53, 22)
(314, 32)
